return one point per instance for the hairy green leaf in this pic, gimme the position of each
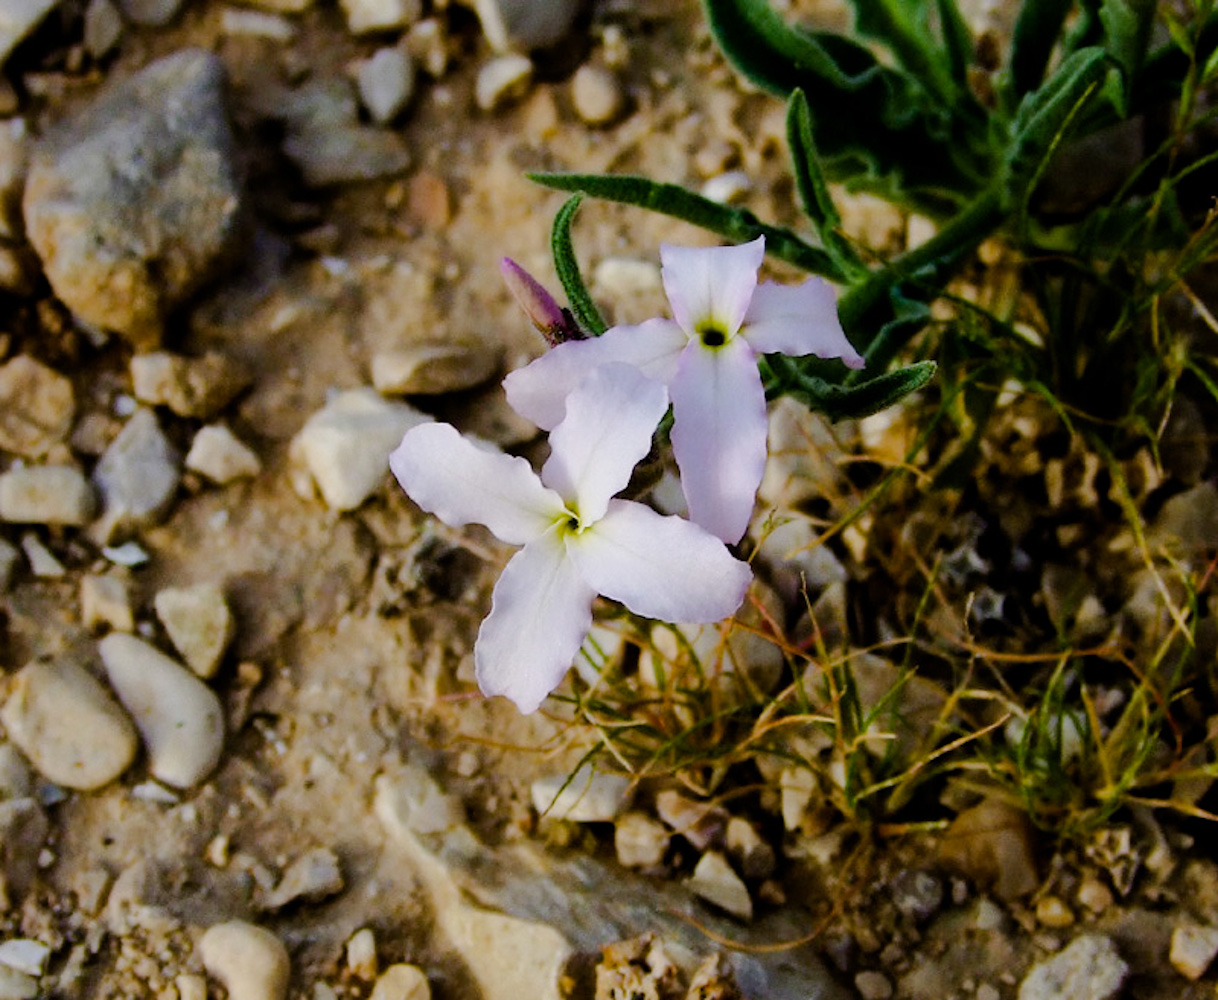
(903, 27)
(1036, 31)
(839, 402)
(567, 266)
(1127, 25)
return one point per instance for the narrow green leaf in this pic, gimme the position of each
(903, 27)
(1036, 32)
(736, 224)
(957, 40)
(838, 402)
(1179, 33)
(567, 266)
(1127, 25)
(1211, 67)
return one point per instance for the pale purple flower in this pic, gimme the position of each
(578, 541)
(707, 356)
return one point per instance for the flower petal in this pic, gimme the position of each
(541, 611)
(461, 483)
(539, 391)
(660, 567)
(798, 319)
(711, 284)
(719, 435)
(607, 431)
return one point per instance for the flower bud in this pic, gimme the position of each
(554, 322)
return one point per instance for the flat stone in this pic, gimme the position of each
(138, 478)
(46, 494)
(25, 955)
(346, 445)
(401, 982)
(64, 720)
(123, 248)
(715, 881)
(587, 796)
(217, 453)
(873, 985)
(1193, 948)
(386, 83)
(431, 369)
(199, 623)
(106, 600)
(1089, 968)
(180, 719)
(36, 407)
(17, 19)
(190, 387)
(502, 80)
(249, 960)
(364, 16)
(525, 25)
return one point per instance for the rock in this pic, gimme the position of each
(250, 961)
(361, 954)
(8, 564)
(715, 881)
(190, 387)
(796, 786)
(17, 271)
(701, 823)
(36, 407)
(310, 878)
(873, 986)
(1052, 912)
(16, 779)
(103, 28)
(199, 623)
(67, 724)
(429, 369)
(179, 717)
(23, 831)
(17, 19)
(1089, 968)
(587, 796)
(526, 24)
(1186, 523)
(386, 83)
(1094, 895)
(753, 855)
(25, 955)
(190, 986)
(138, 478)
(597, 95)
(122, 248)
(43, 563)
(918, 895)
(15, 985)
(401, 982)
(151, 13)
(346, 154)
(427, 42)
(805, 456)
(640, 842)
(727, 188)
(364, 16)
(13, 155)
(46, 494)
(797, 561)
(428, 200)
(219, 455)
(256, 24)
(346, 444)
(991, 843)
(106, 600)
(1193, 948)
(411, 802)
(624, 278)
(501, 80)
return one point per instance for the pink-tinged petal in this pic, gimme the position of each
(539, 391)
(607, 431)
(660, 567)
(711, 284)
(461, 483)
(719, 435)
(797, 320)
(541, 611)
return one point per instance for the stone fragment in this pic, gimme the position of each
(873, 985)
(151, 13)
(526, 24)
(727, 188)
(179, 717)
(1193, 948)
(386, 83)
(917, 894)
(361, 954)
(67, 725)
(16, 779)
(14, 145)
(401, 982)
(16, 985)
(501, 80)
(427, 42)
(587, 796)
(597, 95)
(217, 453)
(17, 271)
(640, 842)
(250, 961)
(25, 955)
(256, 24)
(17, 19)
(106, 600)
(36, 407)
(797, 561)
(715, 881)
(991, 843)
(190, 387)
(8, 564)
(430, 369)
(103, 28)
(410, 802)
(753, 855)
(701, 823)
(138, 478)
(122, 248)
(346, 445)
(624, 278)
(199, 623)
(43, 563)
(1186, 523)
(365, 16)
(23, 831)
(190, 986)
(796, 787)
(428, 200)
(1052, 912)
(1094, 895)
(346, 154)
(311, 877)
(46, 494)
(1089, 968)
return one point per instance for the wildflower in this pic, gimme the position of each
(707, 356)
(578, 541)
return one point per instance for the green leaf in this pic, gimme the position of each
(957, 40)
(1036, 32)
(567, 266)
(736, 224)
(1127, 25)
(903, 27)
(838, 402)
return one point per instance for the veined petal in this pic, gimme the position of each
(711, 284)
(460, 483)
(719, 435)
(541, 611)
(797, 320)
(610, 418)
(539, 391)
(660, 567)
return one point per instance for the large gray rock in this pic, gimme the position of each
(136, 203)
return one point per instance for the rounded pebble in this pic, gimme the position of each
(401, 982)
(178, 716)
(597, 95)
(361, 954)
(250, 961)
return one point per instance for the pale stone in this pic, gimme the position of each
(587, 796)
(43, 563)
(190, 387)
(151, 13)
(106, 600)
(217, 453)
(46, 494)
(715, 881)
(25, 955)
(199, 623)
(361, 954)
(873, 985)
(386, 83)
(428, 369)
(526, 24)
(67, 724)
(364, 16)
(501, 80)
(138, 478)
(179, 717)
(754, 856)
(250, 961)
(597, 95)
(639, 840)
(401, 982)
(1193, 948)
(36, 407)
(1089, 968)
(191, 986)
(256, 24)
(313, 876)
(728, 187)
(103, 28)
(17, 19)
(410, 802)
(15, 985)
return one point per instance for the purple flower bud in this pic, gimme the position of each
(554, 322)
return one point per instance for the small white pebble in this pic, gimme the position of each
(502, 79)
(361, 955)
